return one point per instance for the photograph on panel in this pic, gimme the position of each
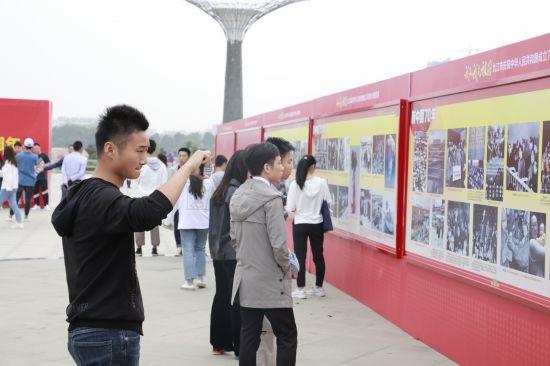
(438, 223)
(420, 219)
(545, 174)
(354, 181)
(522, 157)
(523, 241)
(366, 154)
(458, 227)
(390, 161)
(365, 217)
(419, 161)
(476, 157)
(456, 158)
(343, 202)
(378, 154)
(334, 198)
(436, 160)
(485, 227)
(321, 153)
(377, 208)
(389, 213)
(343, 151)
(495, 163)
(332, 154)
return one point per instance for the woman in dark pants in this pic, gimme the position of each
(305, 198)
(225, 319)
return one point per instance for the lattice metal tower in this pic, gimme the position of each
(235, 17)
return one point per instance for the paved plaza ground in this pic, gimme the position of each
(336, 330)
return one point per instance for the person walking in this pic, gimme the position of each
(152, 176)
(262, 283)
(41, 185)
(73, 168)
(193, 208)
(97, 223)
(26, 166)
(305, 198)
(225, 319)
(10, 183)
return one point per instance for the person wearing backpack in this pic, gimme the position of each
(305, 198)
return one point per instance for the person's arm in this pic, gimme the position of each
(51, 166)
(291, 197)
(172, 189)
(276, 233)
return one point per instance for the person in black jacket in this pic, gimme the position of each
(96, 223)
(225, 319)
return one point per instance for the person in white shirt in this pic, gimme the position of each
(153, 175)
(10, 183)
(73, 168)
(194, 214)
(305, 198)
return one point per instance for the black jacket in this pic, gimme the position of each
(218, 233)
(97, 223)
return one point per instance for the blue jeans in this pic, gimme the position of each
(193, 242)
(10, 197)
(95, 346)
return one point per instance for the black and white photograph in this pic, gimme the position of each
(343, 151)
(523, 241)
(343, 202)
(436, 160)
(378, 154)
(389, 213)
(377, 211)
(438, 223)
(485, 227)
(365, 218)
(366, 154)
(354, 188)
(332, 154)
(300, 149)
(420, 219)
(419, 161)
(458, 227)
(495, 163)
(476, 157)
(455, 171)
(390, 161)
(321, 153)
(522, 157)
(334, 198)
(545, 174)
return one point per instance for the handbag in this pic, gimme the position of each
(327, 220)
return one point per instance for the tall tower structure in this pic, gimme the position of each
(235, 17)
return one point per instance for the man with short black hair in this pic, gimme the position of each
(262, 283)
(97, 222)
(287, 151)
(73, 167)
(220, 163)
(17, 147)
(41, 186)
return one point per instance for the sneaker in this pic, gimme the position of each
(188, 286)
(27, 219)
(154, 252)
(138, 252)
(17, 225)
(200, 284)
(178, 254)
(316, 291)
(47, 208)
(10, 218)
(217, 351)
(299, 294)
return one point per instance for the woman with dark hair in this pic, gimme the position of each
(193, 207)
(305, 198)
(10, 183)
(225, 319)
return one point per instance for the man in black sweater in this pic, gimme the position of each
(97, 222)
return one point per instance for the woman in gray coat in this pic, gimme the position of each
(225, 319)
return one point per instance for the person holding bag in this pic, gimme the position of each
(305, 198)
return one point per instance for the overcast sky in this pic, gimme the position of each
(167, 57)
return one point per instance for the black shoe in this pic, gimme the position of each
(154, 252)
(138, 252)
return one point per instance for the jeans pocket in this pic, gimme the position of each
(93, 353)
(133, 348)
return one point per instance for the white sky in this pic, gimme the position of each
(167, 57)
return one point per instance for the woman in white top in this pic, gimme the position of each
(10, 182)
(194, 211)
(305, 198)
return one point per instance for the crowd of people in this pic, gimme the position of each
(545, 184)
(458, 219)
(523, 157)
(485, 234)
(456, 161)
(239, 208)
(419, 162)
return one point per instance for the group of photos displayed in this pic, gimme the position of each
(361, 170)
(477, 199)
